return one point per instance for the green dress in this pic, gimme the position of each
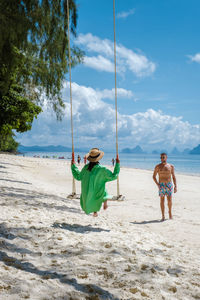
(93, 191)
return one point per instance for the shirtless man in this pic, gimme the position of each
(165, 172)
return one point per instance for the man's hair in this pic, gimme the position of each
(162, 154)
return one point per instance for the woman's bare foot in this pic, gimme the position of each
(105, 205)
(163, 219)
(95, 214)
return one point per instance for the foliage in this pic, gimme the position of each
(17, 112)
(33, 60)
(34, 45)
(7, 143)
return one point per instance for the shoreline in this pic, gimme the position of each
(128, 167)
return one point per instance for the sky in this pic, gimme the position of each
(158, 75)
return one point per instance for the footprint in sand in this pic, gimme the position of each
(196, 284)
(173, 289)
(143, 294)
(83, 275)
(134, 290)
(128, 269)
(144, 267)
(105, 273)
(5, 287)
(108, 245)
(153, 270)
(120, 284)
(165, 245)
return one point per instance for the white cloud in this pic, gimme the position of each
(195, 58)
(125, 14)
(127, 59)
(99, 63)
(94, 124)
(110, 94)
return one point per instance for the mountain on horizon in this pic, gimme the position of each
(50, 148)
(136, 150)
(186, 151)
(195, 150)
(155, 152)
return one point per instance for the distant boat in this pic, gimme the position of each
(61, 157)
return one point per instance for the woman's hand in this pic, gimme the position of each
(117, 160)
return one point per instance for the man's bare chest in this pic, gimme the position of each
(166, 169)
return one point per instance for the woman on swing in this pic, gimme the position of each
(93, 179)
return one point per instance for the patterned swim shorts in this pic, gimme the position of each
(166, 189)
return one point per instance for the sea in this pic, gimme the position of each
(185, 164)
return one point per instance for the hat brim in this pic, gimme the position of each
(91, 159)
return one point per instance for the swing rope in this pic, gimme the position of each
(116, 117)
(70, 82)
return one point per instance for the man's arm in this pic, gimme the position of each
(154, 176)
(174, 179)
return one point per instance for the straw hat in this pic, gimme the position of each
(94, 155)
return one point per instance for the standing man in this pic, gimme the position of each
(165, 173)
(78, 159)
(113, 162)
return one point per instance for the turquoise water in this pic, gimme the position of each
(189, 164)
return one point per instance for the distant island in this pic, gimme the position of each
(136, 150)
(155, 152)
(186, 151)
(49, 148)
(195, 150)
(175, 151)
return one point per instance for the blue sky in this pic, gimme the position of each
(158, 56)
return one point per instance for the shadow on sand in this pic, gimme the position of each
(34, 199)
(90, 289)
(79, 228)
(147, 222)
(9, 164)
(13, 248)
(2, 167)
(15, 181)
(4, 233)
(7, 232)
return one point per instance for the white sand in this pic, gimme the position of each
(49, 249)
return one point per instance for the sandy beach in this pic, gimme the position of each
(49, 249)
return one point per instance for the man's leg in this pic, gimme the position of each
(162, 206)
(169, 199)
